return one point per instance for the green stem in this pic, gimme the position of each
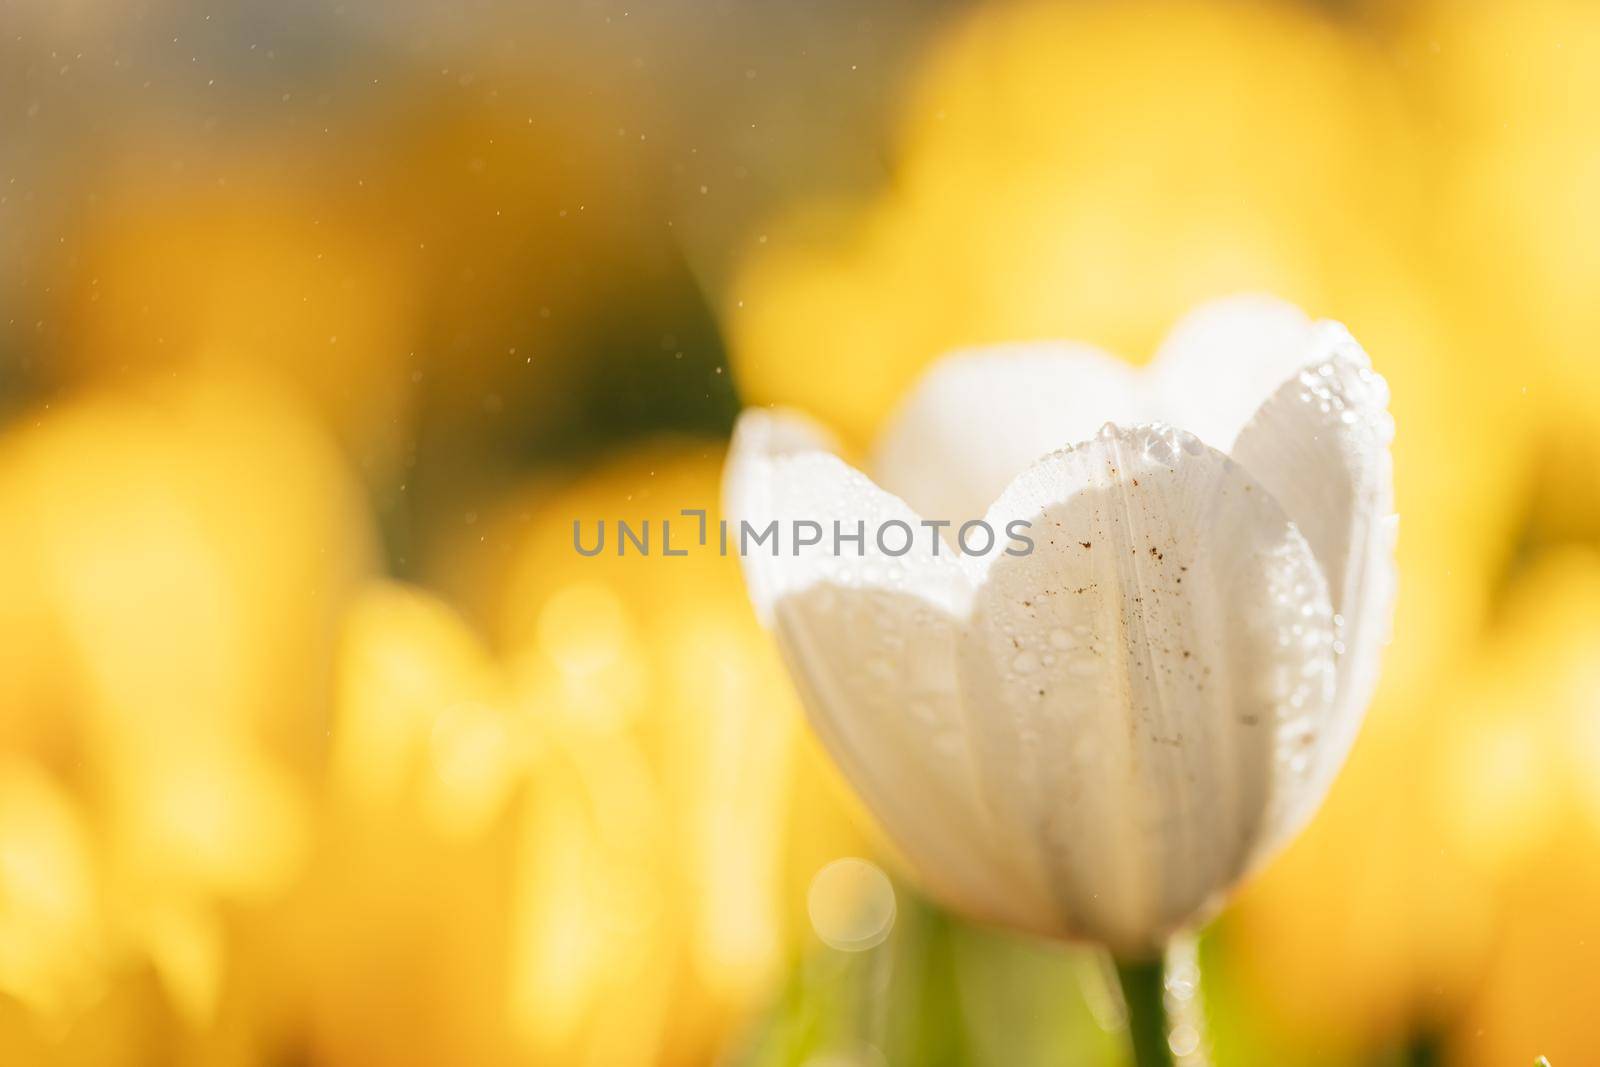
(1144, 993)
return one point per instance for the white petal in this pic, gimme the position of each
(1320, 445)
(975, 420)
(1146, 686)
(1223, 359)
(761, 439)
(870, 641)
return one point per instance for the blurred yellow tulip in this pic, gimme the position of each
(665, 652)
(1511, 89)
(172, 563)
(584, 846)
(1539, 686)
(1368, 930)
(1429, 897)
(419, 696)
(397, 953)
(52, 941)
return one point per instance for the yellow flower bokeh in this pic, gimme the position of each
(176, 559)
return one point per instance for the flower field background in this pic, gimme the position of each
(319, 327)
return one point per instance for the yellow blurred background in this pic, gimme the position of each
(319, 326)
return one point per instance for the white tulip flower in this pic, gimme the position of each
(1098, 738)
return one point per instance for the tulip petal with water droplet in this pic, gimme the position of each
(871, 640)
(1143, 707)
(1099, 737)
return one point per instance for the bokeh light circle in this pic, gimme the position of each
(851, 905)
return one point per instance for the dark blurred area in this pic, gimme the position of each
(476, 238)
